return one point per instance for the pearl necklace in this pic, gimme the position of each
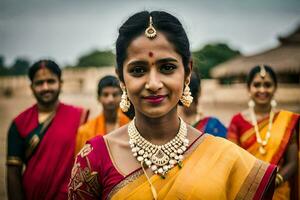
(262, 142)
(159, 158)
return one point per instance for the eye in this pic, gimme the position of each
(38, 83)
(268, 85)
(137, 71)
(256, 85)
(51, 81)
(167, 68)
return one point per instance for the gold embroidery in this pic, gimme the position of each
(125, 182)
(86, 149)
(84, 182)
(34, 141)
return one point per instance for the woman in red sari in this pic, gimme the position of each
(268, 133)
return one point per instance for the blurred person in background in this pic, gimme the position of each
(191, 115)
(109, 96)
(39, 136)
(268, 133)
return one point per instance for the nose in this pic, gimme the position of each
(262, 89)
(110, 97)
(45, 86)
(154, 83)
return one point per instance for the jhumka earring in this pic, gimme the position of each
(186, 98)
(125, 103)
(150, 32)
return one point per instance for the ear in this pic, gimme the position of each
(122, 85)
(189, 73)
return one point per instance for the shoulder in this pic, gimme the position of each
(118, 136)
(69, 107)
(237, 117)
(74, 111)
(28, 111)
(227, 147)
(89, 124)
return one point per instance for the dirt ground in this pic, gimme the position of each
(10, 107)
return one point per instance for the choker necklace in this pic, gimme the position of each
(262, 142)
(159, 158)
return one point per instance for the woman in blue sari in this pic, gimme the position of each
(205, 124)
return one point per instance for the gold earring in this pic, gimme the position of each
(186, 98)
(125, 103)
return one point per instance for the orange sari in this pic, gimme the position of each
(216, 169)
(95, 127)
(242, 132)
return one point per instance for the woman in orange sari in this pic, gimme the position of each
(267, 133)
(157, 155)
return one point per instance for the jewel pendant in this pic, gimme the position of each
(262, 150)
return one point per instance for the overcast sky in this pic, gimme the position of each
(65, 29)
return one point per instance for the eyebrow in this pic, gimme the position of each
(160, 61)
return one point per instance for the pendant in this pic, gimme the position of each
(262, 150)
(160, 158)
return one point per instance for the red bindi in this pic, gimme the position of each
(150, 54)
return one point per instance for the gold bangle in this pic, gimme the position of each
(279, 179)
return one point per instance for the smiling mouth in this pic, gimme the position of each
(155, 99)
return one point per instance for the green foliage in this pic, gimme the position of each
(97, 59)
(19, 67)
(210, 56)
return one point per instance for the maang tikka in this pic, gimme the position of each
(186, 98)
(124, 103)
(150, 32)
(262, 72)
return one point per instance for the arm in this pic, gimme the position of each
(290, 166)
(14, 183)
(84, 182)
(14, 164)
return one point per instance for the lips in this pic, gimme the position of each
(155, 99)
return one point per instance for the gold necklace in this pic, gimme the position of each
(262, 142)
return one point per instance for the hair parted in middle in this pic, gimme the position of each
(162, 21)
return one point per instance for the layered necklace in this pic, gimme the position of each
(262, 142)
(159, 158)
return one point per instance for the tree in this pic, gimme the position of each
(3, 69)
(210, 56)
(97, 59)
(20, 67)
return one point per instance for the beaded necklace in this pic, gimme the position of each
(159, 158)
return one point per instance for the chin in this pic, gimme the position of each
(263, 102)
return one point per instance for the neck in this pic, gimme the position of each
(110, 115)
(47, 108)
(158, 130)
(262, 109)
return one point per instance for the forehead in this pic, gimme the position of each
(258, 78)
(110, 90)
(44, 73)
(158, 47)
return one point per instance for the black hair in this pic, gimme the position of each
(163, 22)
(256, 70)
(108, 81)
(49, 64)
(195, 85)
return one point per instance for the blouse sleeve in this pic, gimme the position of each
(84, 182)
(232, 131)
(15, 147)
